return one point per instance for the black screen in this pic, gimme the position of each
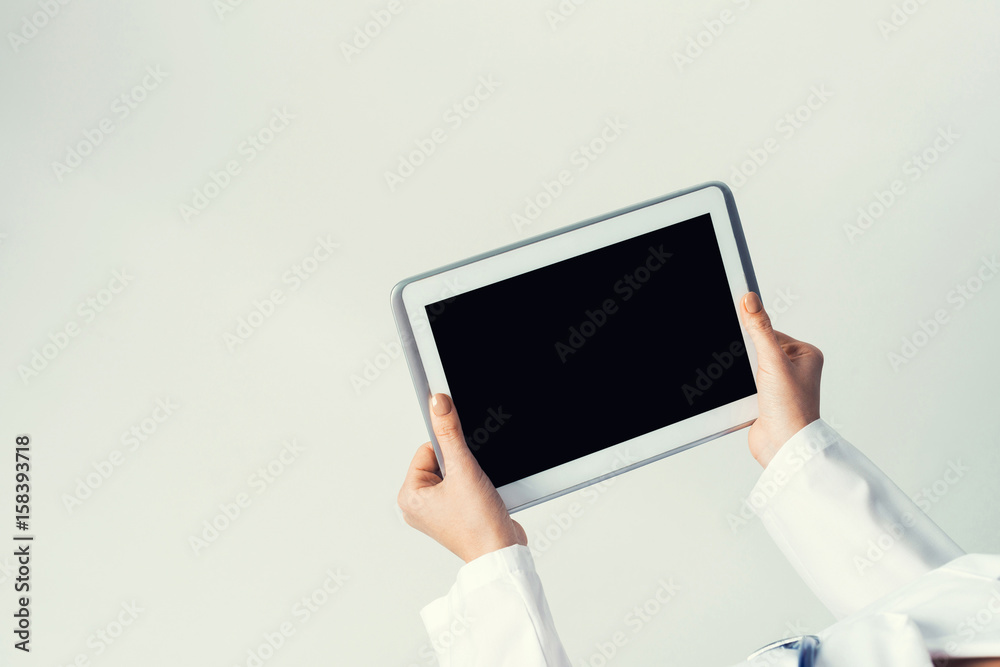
(583, 354)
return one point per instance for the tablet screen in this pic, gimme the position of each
(586, 353)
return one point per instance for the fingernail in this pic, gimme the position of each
(752, 302)
(440, 404)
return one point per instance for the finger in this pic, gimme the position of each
(522, 537)
(448, 430)
(758, 325)
(425, 460)
(792, 347)
(785, 339)
(423, 470)
(795, 348)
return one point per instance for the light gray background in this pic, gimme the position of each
(333, 507)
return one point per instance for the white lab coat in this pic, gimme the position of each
(900, 587)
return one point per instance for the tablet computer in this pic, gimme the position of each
(590, 350)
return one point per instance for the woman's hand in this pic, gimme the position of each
(788, 374)
(462, 511)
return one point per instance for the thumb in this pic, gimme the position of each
(448, 431)
(758, 325)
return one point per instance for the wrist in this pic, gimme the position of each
(492, 543)
(770, 440)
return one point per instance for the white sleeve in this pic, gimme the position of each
(851, 534)
(495, 614)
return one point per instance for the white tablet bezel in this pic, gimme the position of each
(411, 296)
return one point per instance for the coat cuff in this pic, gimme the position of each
(792, 457)
(488, 568)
